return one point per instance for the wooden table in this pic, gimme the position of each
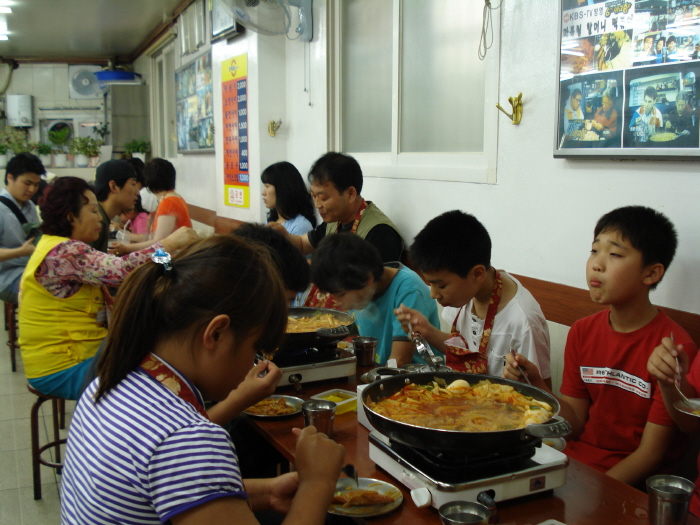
(588, 497)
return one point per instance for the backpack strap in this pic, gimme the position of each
(14, 209)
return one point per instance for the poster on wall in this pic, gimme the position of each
(234, 92)
(195, 106)
(628, 79)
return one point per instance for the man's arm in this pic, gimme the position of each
(636, 467)
(300, 241)
(13, 253)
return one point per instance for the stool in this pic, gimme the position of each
(59, 420)
(11, 327)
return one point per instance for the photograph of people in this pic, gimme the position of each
(605, 119)
(661, 52)
(647, 120)
(615, 50)
(645, 53)
(573, 111)
(682, 120)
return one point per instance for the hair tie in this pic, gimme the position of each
(160, 256)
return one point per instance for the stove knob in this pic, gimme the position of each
(421, 497)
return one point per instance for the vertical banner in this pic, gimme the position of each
(234, 90)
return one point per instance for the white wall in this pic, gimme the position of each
(542, 211)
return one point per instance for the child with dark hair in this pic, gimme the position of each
(141, 447)
(490, 312)
(613, 402)
(351, 269)
(288, 199)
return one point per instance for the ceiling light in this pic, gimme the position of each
(5, 9)
(3, 37)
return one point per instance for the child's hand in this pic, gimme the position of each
(419, 323)
(282, 490)
(318, 458)
(662, 361)
(510, 370)
(255, 388)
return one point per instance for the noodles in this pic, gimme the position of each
(662, 137)
(296, 325)
(271, 406)
(484, 407)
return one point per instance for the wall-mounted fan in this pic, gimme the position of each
(83, 84)
(271, 17)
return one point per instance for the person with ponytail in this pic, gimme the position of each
(141, 448)
(63, 299)
(287, 198)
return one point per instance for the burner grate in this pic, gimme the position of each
(284, 359)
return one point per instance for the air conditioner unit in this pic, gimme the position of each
(83, 84)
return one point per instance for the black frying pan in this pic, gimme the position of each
(475, 443)
(323, 336)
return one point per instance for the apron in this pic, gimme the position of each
(162, 373)
(458, 356)
(318, 299)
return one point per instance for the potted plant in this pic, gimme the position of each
(84, 148)
(3, 155)
(138, 148)
(15, 139)
(59, 138)
(43, 150)
(105, 149)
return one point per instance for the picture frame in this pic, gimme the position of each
(223, 25)
(629, 79)
(195, 106)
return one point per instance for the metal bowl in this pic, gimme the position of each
(463, 512)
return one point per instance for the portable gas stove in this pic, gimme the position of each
(314, 364)
(435, 481)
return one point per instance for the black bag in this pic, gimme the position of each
(31, 229)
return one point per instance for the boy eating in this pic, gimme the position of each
(614, 404)
(351, 269)
(490, 312)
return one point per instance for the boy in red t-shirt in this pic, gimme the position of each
(620, 424)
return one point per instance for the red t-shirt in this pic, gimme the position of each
(610, 369)
(175, 206)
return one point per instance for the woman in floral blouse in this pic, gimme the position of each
(63, 299)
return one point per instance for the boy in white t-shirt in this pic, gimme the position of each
(489, 311)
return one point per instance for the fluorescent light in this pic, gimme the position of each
(5, 9)
(3, 37)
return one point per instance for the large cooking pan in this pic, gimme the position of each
(469, 443)
(323, 336)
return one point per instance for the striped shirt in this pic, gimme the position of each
(143, 455)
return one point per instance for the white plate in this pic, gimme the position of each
(555, 443)
(680, 405)
(292, 401)
(366, 511)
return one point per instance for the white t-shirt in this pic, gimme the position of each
(520, 325)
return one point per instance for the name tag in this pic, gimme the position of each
(101, 317)
(618, 378)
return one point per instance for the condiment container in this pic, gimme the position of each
(344, 399)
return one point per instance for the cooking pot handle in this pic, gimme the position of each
(338, 331)
(558, 427)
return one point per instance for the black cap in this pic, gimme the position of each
(117, 170)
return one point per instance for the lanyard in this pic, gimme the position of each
(173, 381)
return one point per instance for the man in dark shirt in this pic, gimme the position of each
(336, 183)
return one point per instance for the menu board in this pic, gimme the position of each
(195, 106)
(234, 93)
(628, 78)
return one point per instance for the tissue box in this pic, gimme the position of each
(344, 399)
(361, 416)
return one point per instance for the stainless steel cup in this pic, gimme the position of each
(365, 350)
(461, 512)
(669, 497)
(319, 413)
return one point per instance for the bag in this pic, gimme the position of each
(31, 229)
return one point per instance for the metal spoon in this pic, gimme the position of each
(512, 351)
(692, 403)
(350, 471)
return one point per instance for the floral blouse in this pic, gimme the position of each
(73, 263)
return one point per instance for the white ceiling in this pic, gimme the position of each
(80, 29)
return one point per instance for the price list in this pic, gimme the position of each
(234, 89)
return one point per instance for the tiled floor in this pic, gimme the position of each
(17, 505)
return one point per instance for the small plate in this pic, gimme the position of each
(366, 511)
(680, 405)
(555, 443)
(294, 402)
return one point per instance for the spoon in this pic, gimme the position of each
(512, 351)
(692, 403)
(350, 471)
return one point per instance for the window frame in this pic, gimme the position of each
(476, 167)
(163, 91)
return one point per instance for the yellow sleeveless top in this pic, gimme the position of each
(56, 334)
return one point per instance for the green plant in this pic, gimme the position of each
(84, 146)
(41, 148)
(59, 137)
(101, 131)
(14, 139)
(3, 149)
(137, 146)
